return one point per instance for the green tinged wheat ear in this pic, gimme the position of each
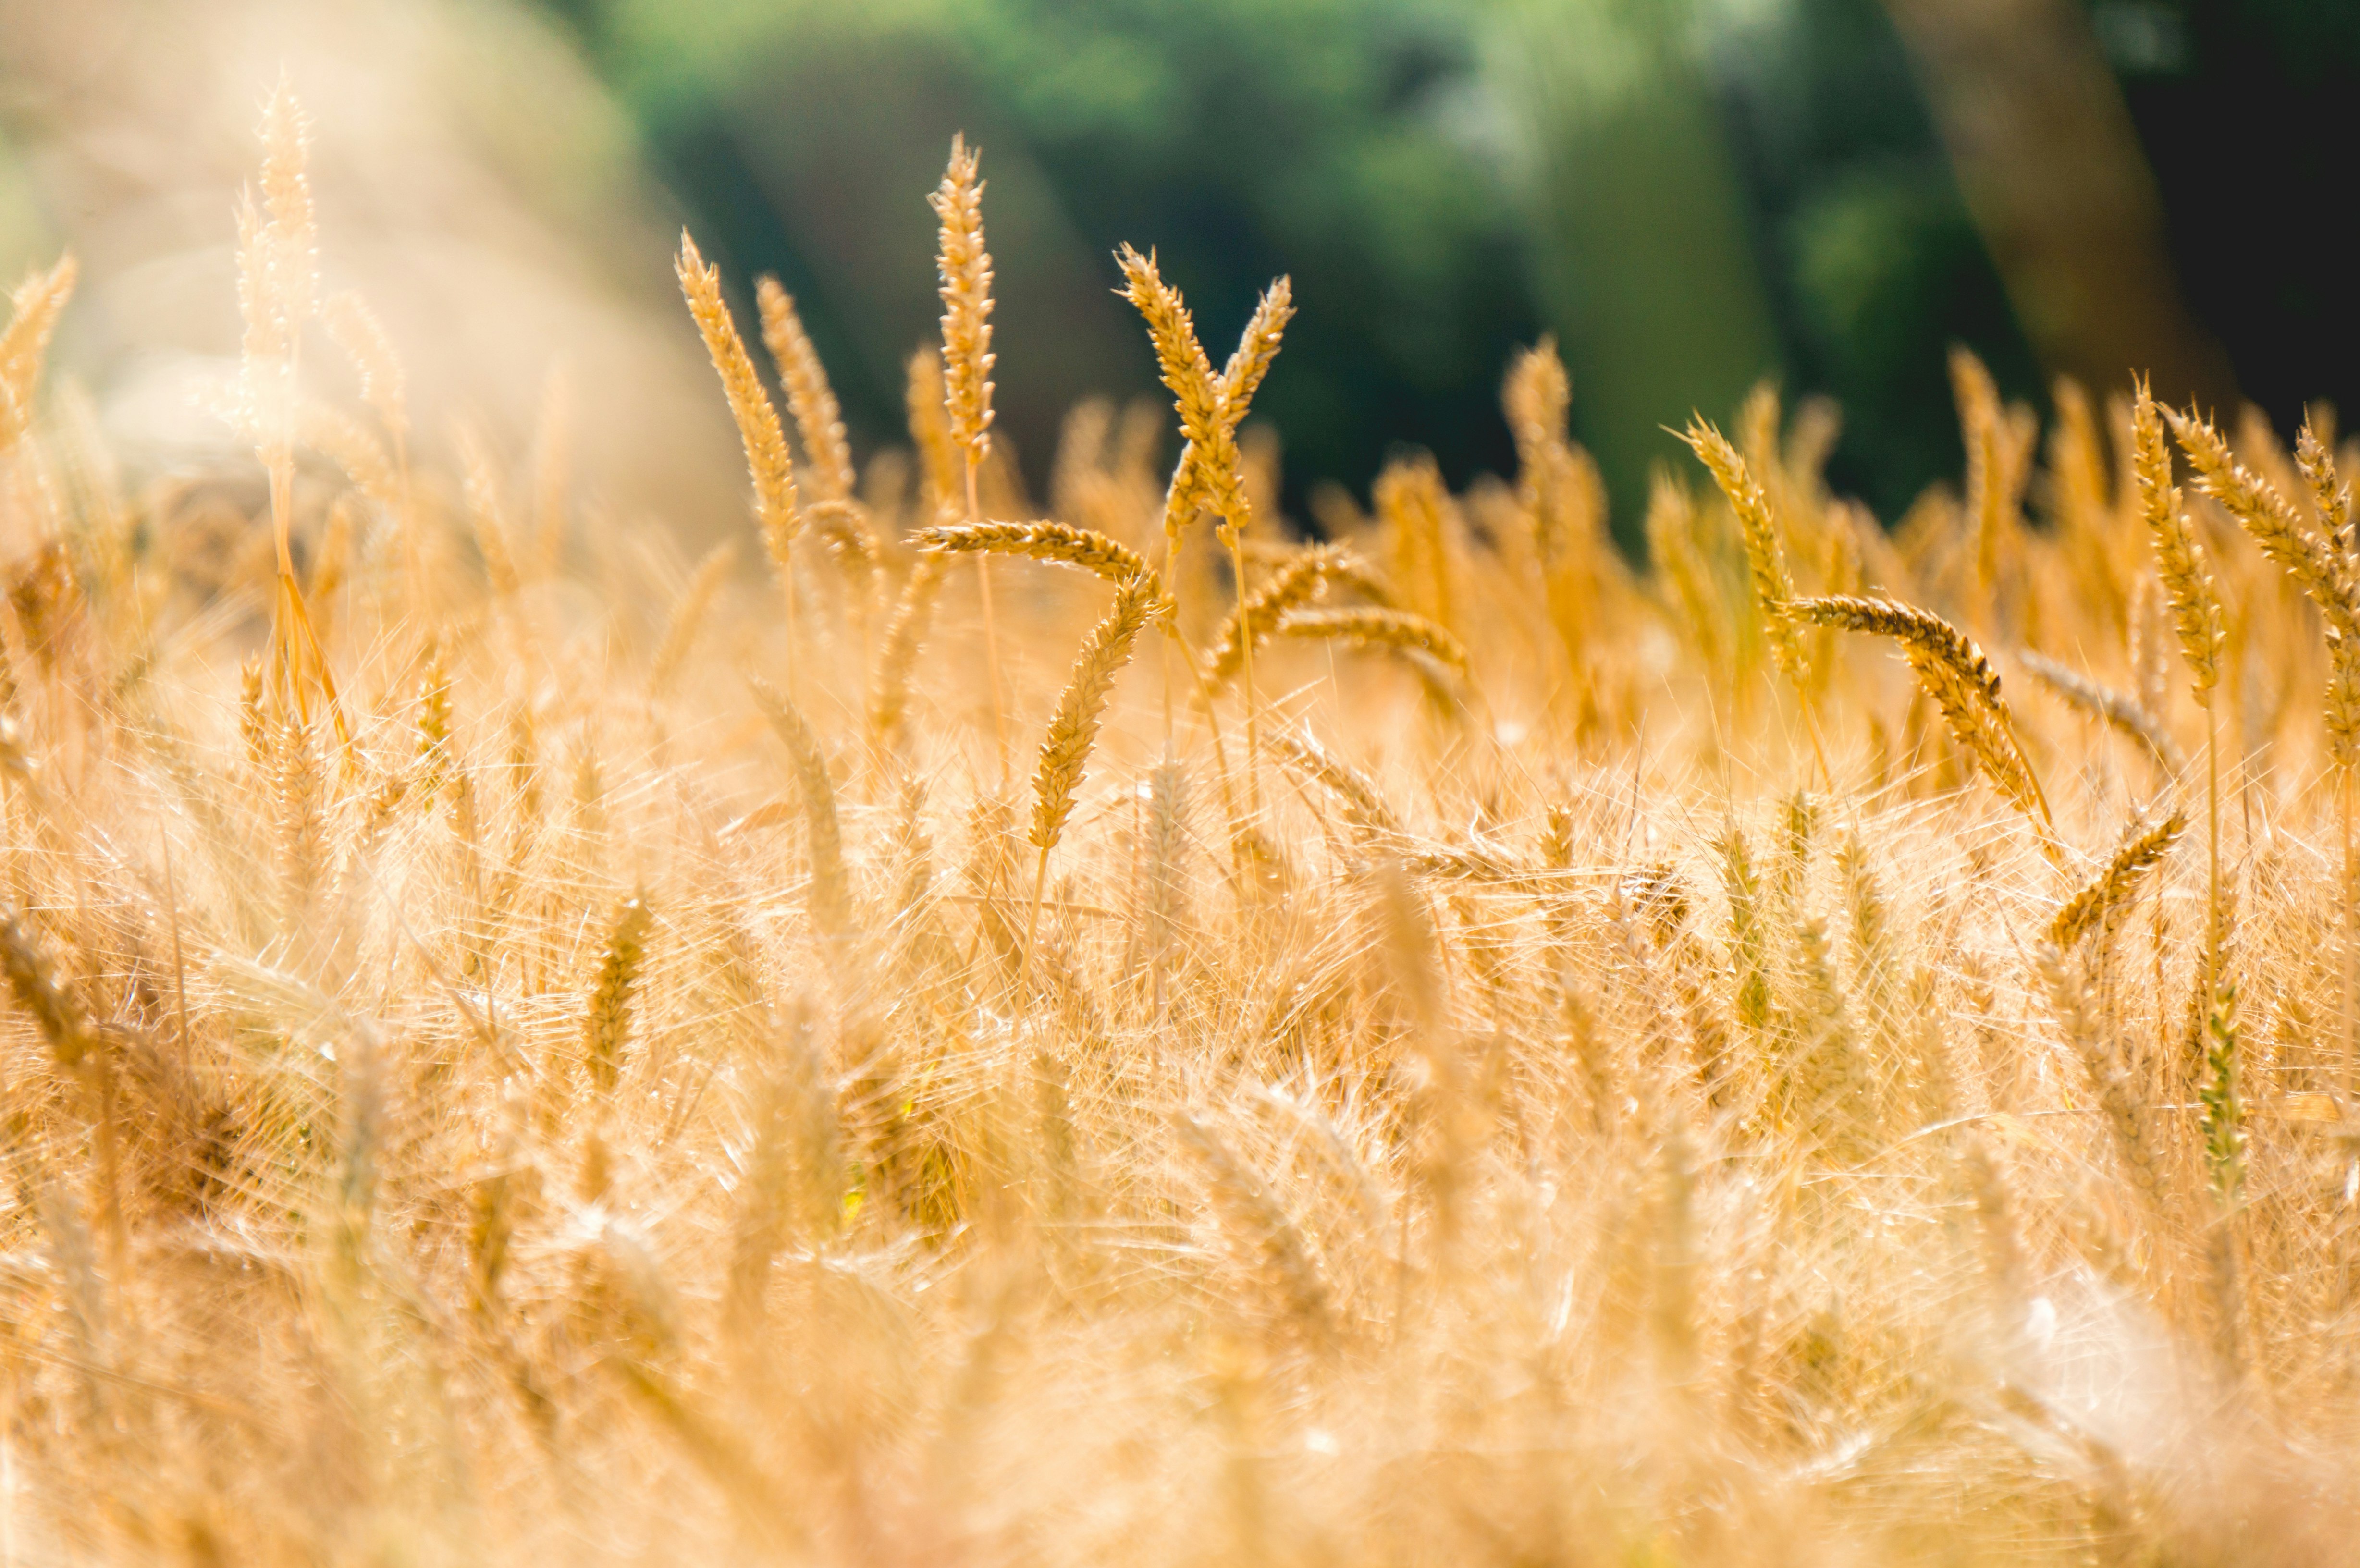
(1954, 673)
(2096, 903)
(2222, 1118)
(827, 453)
(606, 1028)
(831, 895)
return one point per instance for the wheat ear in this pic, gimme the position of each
(1766, 561)
(35, 306)
(830, 899)
(278, 285)
(1363, 804)
(608, 1024)
(2269, 519)
(2119, 709)
(2095, 904)
(1301, 579)
(2329, 494)
(965, 268)
(2069, 996)
(1369, 626)
(1953, 673)
(688, 616)
(1244, 1200)
(1040, 540)
(828, 454)
(385, 388)
(890, 698)
(1995, 467)
(777, 508)
(2333, 499)
(1210, 474)
(2188, 587)
(1074, 730)
(2322, 568)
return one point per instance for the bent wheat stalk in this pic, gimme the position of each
(1952, 672)
(1074, 731)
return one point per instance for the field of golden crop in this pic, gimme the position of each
(1109, 1033)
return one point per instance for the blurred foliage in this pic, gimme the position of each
(1342, 141)
(1688, 192)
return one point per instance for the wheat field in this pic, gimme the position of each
(971, 1031)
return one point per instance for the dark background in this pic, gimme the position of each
(1689, 195)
